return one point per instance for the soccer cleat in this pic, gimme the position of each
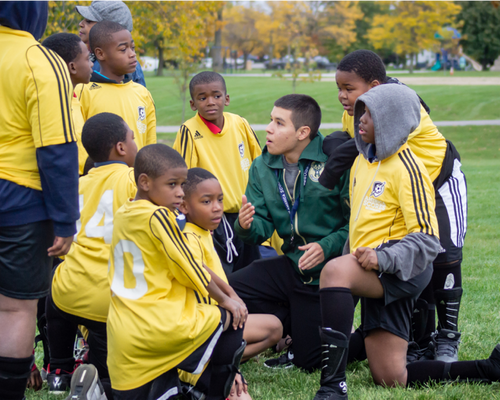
(446, 344)
(490, 368)
(58, 381)
(284, 361)
(328, 393)
(414, 352)
(85, 384)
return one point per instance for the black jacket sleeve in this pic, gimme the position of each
(58, 166)
(341, 151)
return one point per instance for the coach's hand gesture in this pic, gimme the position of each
(313, 256)
(247, 211)
(367, 258)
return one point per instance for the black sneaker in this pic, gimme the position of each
(334, 391)
(58, 381)
(284, 361)
(446, 342)
(85, 384)
(414, 352)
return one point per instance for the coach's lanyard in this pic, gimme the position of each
(295, 206)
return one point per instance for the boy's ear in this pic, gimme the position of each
(374, 83)
(191, 103)
(304, 132)
(143, 182)
(226, 103)
(120, 148)
(183, 208)
(99, 54)
(71, 68)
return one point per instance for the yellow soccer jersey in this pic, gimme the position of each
(38, 114)
(80, 285)
(391, 200)
(228, 154)
(79, 122)
(426, 141)
(131, 101)
(156, 319)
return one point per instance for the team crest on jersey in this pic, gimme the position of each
(142, 113)
(241, 149)
(378, 189)
(316, 170)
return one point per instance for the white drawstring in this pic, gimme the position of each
(229, 240)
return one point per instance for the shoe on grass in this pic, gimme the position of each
(282, 362)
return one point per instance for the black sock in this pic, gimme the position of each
(421, 372)
(14, 373)
(430, 327)
(357, 351)
(337, 309)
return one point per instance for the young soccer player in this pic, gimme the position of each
(160, 319)
(357, 73)
(393, 238)
(224, 144)
(38, 181)
(116, 11)
(80, 288)
(283, 193)
(112, 90)
(77, 57)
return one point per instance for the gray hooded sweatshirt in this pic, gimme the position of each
(395, 110)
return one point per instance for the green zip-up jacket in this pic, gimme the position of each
(322, 215)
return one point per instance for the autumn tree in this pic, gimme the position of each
(480, 22)
(410, 27)
(63, 17)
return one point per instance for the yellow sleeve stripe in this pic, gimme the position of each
(178, 241)
(419, 198)
(64, 87)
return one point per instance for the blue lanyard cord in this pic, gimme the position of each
(295, 206)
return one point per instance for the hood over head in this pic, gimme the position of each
(395, 110)
(29, 16)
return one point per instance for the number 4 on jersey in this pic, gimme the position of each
(96, 227)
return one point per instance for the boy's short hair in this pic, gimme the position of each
(66, 45)
(101, 133)
(155, 159)
(366, 64)
(305, 111)
(195, 177)
(206, 77)
(100, 34)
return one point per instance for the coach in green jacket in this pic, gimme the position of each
(283, 194)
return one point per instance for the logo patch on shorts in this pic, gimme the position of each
(378, 189)
(316, 170)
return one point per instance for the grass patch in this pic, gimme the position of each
(480, 313)
(253, 98)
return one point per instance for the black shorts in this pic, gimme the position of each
(394, 311)
(25, 267)
(167, 385)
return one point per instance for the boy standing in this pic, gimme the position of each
(224, 144)
(112, 90)
(77, 57)
(393, 239)
(283, 193)
(80, 288)
(38, 181)
(158, 321)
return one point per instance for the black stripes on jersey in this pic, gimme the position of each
(417, 186)
(256, 138)
(65, 87)
(185, 138)
(178, 241)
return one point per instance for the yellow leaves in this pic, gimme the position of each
(410, 26)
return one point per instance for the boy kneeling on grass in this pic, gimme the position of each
(393, 240)
(158, 321)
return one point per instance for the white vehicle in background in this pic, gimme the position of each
(149, 63)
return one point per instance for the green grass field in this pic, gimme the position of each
(480, 151)
(253, 98)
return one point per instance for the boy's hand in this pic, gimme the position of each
(313, 256)
(245, 217)
(239, 386)
(367, 258)
(238, 310)
(60, 246)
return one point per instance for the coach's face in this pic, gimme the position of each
(282, 137)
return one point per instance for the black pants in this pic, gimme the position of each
(271, 286)
(62, 328)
